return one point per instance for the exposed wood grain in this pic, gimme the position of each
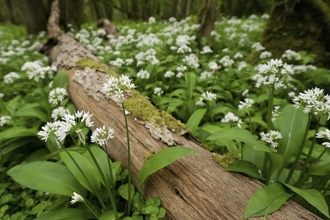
(194, 187)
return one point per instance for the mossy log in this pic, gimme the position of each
(194, 187)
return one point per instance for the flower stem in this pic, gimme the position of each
(308, 158)
(128, 163)
(270, 107)
(295, 162)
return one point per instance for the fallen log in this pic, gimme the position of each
(194, 187)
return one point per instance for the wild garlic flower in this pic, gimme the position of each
(232, 118)
(291, 55)
(9, 78)
(116, 87)
(101, 135)
(238, 55)
(57, 95)
(206, 96)
(257, 46)
(143, 74)
(226, 61)
(324, 134)
(169, 74)
(275, 73)
(1, 95)
(241, 65)
(158, 91)
(271, 137)
(76, 198)
(36, 72)
(49, 130)
(313, 101)
(246, 104)
(206, 74)
(276, 112)
(213, 65)
(118, 62)
(151, 20)
(191, 60)
(206, 49)
(265, 55)
(179, 75)
(5, 119)
(59, 112)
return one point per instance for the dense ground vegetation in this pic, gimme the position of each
(271, 115)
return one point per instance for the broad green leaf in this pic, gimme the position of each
(123, 191)
(266, 200)
(64, 213)
(110, 215)
(191, 82)
(160, 160)
(17, 132)
(313, 197)
(292, 124)
(105, 163)
(276, 161)
(32, 112)
(319, 169)
(246, 167)
(256, 157)
(60, 79)
(195, 119)
(14, 143)
(239, 135)
(47, 177)
(87, 175)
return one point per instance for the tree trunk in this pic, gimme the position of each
(188, 6)
(194, 187)
(208, 14)
(35, 15)
(299, 25)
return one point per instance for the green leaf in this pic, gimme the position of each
(64, 214)
(60, 80)
(313, 197)
(47, 177)
(105, 164)
(292, 124)
(17, 132)
(160, 160)
(87, 175)
(123, 191)
(276, 161)
(266, 200)
(110, 215)
(195, 119)
(32, 110)
(239, 135)
(191, 82)
(246, 167)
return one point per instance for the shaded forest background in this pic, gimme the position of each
(34, 13)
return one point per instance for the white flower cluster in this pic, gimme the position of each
(191, 60)
(158, 91)
(116, 87)
(232, 118)
(313, 101)
(324, 134)
(5, 119)
(291, 55)
(9, 78)
(246, 104)
(67, 125)
(270, 137)
(57, 95)
(143, 74)
(36, 72)
(101, 135)
(206, 96)
(146, 57)
(226, 61)
(275, 72)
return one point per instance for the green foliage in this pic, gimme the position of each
(160, 160)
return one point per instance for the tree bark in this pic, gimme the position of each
(35, 15)
(194, 187)
(299, 25)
